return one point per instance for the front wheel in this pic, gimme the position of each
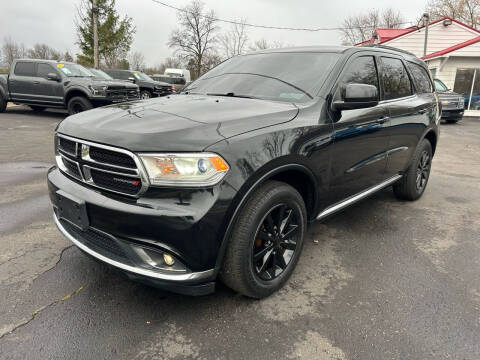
(3, 104)
(78, 104)
(266, 242)
(415, 179)
(144, 95)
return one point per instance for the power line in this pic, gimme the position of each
(263, 26)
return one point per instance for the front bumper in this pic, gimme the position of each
(452, 114)
(188, 227)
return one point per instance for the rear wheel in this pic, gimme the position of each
(266, 243)
(145, 94)
(3, 104)
(78, 104)
(415, 179)
(37, 108)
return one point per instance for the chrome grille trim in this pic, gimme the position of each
(85, 163)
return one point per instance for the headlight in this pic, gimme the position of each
(158, 87)
(97, 89)
(445, 102)
(202, 169)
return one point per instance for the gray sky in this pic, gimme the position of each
(52, 21)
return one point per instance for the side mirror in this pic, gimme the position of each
(131, 79)
(53, 77)
(357, 96)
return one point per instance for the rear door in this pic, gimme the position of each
(360, 142)
(411, 103)
(49, 91)
(22, 82)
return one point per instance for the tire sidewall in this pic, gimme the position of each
(285, 195)
(3, 104)
(145, 92)
(424, 146)
(85, 103)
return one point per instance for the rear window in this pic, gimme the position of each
(421, 78)
(25, 69)
(396, 83)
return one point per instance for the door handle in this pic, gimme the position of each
(423, 111)
(36, 82)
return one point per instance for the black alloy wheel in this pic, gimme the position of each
(423, 171)
(275, 242)
(266, 241)
(78, 104)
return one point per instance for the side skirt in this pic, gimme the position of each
(360, 196)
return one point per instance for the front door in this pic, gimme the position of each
(48, 91)
(359, 141)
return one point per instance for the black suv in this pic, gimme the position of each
(221, 180)
(148, 87)
(453, 104)
(43, 84)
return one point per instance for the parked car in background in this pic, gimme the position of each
(177, 82)
(133, 91)
(43, 84)
(179, 73)
(221, 180)
(453, 104)
(148, 87)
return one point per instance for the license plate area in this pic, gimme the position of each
(72, 210)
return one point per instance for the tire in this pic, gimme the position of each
(37, 108)
(78, 104)
(250, 239)
(3, 104)
(411, 187)
(145, 94)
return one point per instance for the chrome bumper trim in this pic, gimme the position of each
(136, 270)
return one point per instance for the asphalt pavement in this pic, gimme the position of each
(384, 279)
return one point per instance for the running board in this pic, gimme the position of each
(353, 199)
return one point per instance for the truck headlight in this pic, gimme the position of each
(187, 170)
(98, 90)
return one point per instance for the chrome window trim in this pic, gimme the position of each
(141, 172)
(136, 270)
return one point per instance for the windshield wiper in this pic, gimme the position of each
(231, 94)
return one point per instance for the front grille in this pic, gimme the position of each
(111, 157)
(67, 146)
(98, 242)
(111, 181)
(72, 168)
(100, 166)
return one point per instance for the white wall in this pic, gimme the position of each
(449, 70)
(440, 37)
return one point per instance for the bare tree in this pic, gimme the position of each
(137, 61)
(196, 35)
(467, 11)
(358, 28)
(43, 51)
(263, 44)
(234, 41)
(11, 50)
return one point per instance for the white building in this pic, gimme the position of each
(453, 54)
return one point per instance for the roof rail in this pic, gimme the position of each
(389, 48)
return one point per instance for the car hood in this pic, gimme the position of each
(96, 81)
(175, 123)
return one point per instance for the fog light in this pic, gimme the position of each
(169, 260)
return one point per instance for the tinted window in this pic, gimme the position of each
(123, 75)
(279, 76)
(25, 69)
(440, 86)
(361, 71)
(421, 78)
(396, 83)
(43, 70)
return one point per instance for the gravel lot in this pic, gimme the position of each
(382, 280)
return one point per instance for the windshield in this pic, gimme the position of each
(289, 77)
(74, 70)
(100, 74)
(440, 86)
(141, 76)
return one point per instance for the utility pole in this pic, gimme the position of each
(95, 33)
(427, 20)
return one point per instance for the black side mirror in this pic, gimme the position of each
(131, 79)
(53, 77)
(356, 96)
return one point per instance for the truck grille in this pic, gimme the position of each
(101, 166)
